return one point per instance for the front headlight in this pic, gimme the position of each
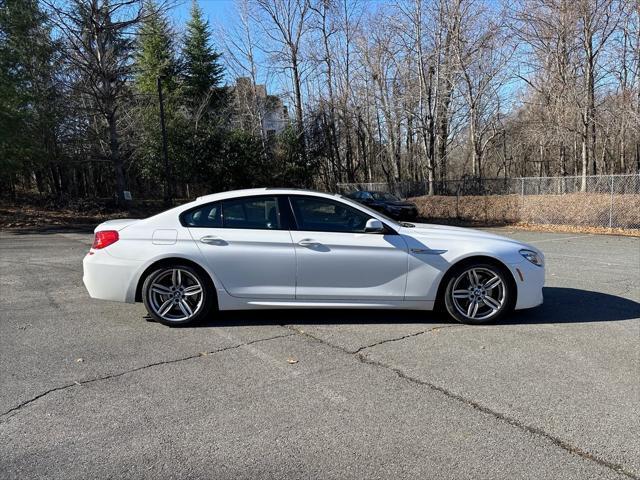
(532, 256)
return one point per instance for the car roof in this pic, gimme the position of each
(261, 191)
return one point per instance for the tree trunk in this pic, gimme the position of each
(476, 152)
(443, 132)
(116, 160)
(585, 156)
(589, 132)
(298, 101)
(333, 135)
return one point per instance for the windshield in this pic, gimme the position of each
(384, 196)
(373, 213)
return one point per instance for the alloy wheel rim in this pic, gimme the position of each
(176, 295)
(478, 293)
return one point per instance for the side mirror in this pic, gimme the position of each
(374, 226)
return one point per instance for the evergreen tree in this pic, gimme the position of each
(155, 58)
(205, 101)
(202, 73)
(155, 53)
(29, 105)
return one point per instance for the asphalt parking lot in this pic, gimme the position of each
(91, 389)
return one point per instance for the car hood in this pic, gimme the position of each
(431, 231)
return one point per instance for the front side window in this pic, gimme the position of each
(252, 212)
(324, 215)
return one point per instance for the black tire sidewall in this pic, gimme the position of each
(207, 292)
(510, 294)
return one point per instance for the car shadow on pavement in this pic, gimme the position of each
(561, 305)
(572, 305)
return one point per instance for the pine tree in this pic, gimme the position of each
(155, 60)
(205, 101)
(202, 71)
(29, 96)
(155, 53)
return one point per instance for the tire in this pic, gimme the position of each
(479, 293)
(177, 294)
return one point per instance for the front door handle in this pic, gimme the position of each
(307, 242)
(213, 240)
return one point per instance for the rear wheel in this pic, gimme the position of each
(177, 295)
(479, 293)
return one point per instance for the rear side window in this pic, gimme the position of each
(207, 216)
(253, 212)
(260, 213)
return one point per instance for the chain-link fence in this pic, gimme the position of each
(611, 201)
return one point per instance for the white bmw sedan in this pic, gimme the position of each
(285, 248)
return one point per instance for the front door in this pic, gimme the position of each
(338, 260)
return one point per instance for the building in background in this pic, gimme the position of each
(256, 111)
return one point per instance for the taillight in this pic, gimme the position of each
(104, 238)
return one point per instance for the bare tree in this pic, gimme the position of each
(482, 60)
(445, 30)
(285, 22)
(98, 34)
(326, 29)
(240, 47)
(598, 20)
(383, 63)
(624, 63)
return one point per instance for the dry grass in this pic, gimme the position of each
(14, 217)
(629, 232)
(570, 212)
(31, 214)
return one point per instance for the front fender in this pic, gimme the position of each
(431, 259)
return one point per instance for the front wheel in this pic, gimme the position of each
(479, 293)
(177, 295)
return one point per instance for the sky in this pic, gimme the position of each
(217, 11)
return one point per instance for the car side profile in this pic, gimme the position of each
(285, 248)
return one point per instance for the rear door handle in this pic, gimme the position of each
(213, 240)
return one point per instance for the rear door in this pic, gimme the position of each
(246, 244)
(338, 260)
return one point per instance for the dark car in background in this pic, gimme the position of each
(386, 203)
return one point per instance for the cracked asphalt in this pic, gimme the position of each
(91, 389)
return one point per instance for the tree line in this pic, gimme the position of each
(405, 90)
